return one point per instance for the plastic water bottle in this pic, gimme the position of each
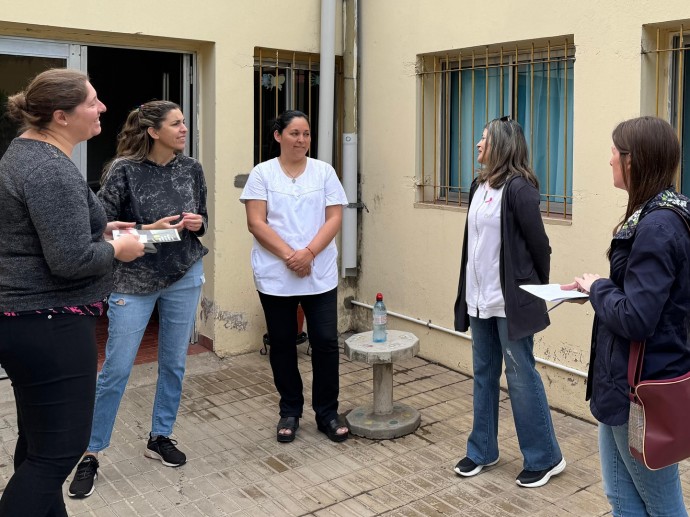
(380, 320)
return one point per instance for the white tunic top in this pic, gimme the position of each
(483, 294)
(295, 211)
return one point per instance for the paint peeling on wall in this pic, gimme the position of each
(230, 320)
(565, 353)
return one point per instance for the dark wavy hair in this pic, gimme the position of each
(134, 141)
(507, 154)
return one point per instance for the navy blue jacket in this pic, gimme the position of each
(647, 297)
(525, 259)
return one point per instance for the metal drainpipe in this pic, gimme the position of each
(348, 232)
(430, 325)
(327, 81)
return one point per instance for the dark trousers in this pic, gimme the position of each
(51, 361)
(321, 313)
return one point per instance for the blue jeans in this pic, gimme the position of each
(631, 488)
(129, 314)
(537, 439)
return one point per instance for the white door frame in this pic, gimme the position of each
(76, 56)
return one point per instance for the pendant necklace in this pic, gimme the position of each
(293, 177)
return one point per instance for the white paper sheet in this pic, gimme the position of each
(552, 292)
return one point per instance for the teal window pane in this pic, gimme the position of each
(685, 143)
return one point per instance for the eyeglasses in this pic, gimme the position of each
(505, 119)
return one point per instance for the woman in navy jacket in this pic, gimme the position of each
(505, 246)
(646, 298)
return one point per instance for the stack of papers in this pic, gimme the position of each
(149, 237)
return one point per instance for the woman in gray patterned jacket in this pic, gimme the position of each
(152, 183)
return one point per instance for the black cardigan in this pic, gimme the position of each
(525, 259)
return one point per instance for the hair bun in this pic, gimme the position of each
(17, 106)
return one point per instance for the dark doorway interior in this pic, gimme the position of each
(124, 79)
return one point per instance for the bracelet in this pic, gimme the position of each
(310, 251)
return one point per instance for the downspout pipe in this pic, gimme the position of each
(463, 335)
(326, 81)
(348, 232)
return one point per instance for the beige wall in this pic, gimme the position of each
(409, 253)
(412, 254)
(223, 34)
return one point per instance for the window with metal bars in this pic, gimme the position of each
(672, 61)
(288, 80)
(461, 91)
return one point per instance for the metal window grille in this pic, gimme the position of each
(286, 80)
(671, 61)
(460, 92)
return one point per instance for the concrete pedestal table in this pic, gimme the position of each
(384, 419)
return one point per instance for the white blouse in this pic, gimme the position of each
(483, 292)
(295, 210)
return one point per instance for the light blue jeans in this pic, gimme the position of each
(631, 488)
(536, 437)
(128, 316)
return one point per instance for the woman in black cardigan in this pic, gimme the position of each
(505, 245)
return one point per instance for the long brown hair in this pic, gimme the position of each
(134, 141)
(507, 154)
(654, 153)
(55, 89)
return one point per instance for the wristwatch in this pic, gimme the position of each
(138, 226)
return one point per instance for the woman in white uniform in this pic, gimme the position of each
(294, 210)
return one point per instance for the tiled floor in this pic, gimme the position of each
(226, 425)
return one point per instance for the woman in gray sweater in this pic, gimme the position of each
(55, 272)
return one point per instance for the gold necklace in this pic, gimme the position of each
(293, 176)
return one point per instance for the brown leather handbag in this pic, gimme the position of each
(659, 420)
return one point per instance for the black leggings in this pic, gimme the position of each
(51, 361)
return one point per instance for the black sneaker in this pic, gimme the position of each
(536, 478)
(466, 467)
(86, 474)
(163, 448)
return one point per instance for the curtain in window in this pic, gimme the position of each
(544, 97)
(480, 101)
(545, 112)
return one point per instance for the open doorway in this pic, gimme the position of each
(124, 79)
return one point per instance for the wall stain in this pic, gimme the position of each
(230, 320)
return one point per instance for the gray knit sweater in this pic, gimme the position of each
(52, 252)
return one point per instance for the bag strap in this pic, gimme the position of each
(636, 356)
(635, 359)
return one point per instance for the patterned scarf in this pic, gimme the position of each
(668, 198)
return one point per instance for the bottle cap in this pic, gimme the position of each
(379, 297)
